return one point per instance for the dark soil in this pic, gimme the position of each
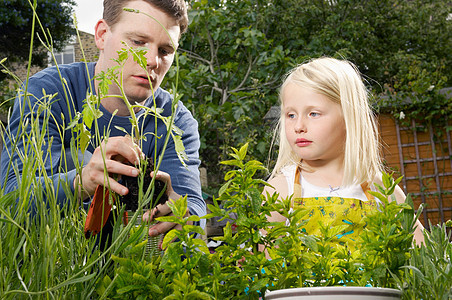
(131, 199)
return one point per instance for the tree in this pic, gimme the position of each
(383, 38)
(236, 52)
(230, 72)
(16, 21)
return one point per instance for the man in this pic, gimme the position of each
(118, 154)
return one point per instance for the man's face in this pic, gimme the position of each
(138, 30)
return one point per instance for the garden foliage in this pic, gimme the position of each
(235, 54)
(239, 268)
(49, 257)
(45, 255)
(17, 32)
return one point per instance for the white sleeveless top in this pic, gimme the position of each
(309, 190)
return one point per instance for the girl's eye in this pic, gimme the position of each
(314, 114)
(291, 115)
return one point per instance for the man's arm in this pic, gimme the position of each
(33, 145)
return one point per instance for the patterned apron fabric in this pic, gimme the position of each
(334, 211)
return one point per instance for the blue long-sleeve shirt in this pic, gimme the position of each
(78, 81)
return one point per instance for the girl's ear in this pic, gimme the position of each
(101, 31)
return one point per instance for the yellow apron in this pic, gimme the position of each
(334, 211)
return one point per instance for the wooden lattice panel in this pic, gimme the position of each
(423, 156)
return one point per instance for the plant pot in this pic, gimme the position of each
(336, 293)
(152, 248)
(131, 199)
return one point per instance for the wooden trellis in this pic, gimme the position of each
(423, 155)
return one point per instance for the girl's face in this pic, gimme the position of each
(314, 125)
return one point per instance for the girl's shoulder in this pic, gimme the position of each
(277, 179)
(288, 170)
(278, 185)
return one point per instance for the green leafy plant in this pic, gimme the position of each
(236, 52)
(240, 268)
(239, 256)
(178, 274)
(429, 272)
(388, 238)
(298, 259)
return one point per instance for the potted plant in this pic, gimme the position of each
(144, 191)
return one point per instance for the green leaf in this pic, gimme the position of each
(74, 121)
(233, 162)
(133, 238)
(405, 206)
(224, 187)
(397, 181)
(379, 196)
(180, 149)
(121, 129)
(104, 285)
(169, 237)
(256, 237)
(242, 152)
(170, 219)
(128, 289)
(78, 280)
(386, 180)
(198, 295)
(155, 289)
(194, 229)
(256, 201)
(201, 245)
(193, 218)
(178, 207)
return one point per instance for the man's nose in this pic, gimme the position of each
(152, 58)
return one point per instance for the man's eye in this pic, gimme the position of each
(164, 52)
(137, 43)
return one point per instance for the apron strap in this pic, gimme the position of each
(366, 188)
(296, 185)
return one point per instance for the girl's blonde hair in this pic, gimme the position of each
(341, 82)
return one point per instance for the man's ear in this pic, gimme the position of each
(100, 33)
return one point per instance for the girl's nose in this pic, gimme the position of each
(300, 126)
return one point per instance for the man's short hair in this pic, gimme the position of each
(176, 9)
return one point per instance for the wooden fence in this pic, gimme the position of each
(423, 155)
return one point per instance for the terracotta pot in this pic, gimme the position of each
(336, 293)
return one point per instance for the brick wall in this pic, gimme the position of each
(424, 157)
(89, 47)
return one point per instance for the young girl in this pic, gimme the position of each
(328, 151)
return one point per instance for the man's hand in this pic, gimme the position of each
(108, 159)
(163, 209)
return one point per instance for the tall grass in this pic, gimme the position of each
(43, 251)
